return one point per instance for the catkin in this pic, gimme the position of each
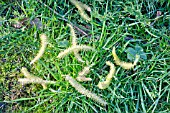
(84, 91)
(74, 48)
(74, 43)
(44, 42)
(73, 34)
(81, 7)
(82, 74)
(124, 65)
(33, 79)
(85, 71)
(105, 84)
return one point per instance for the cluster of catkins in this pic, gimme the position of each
(75, 49)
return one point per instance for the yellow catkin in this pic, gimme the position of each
(74, 43)
(82, 74)
(124, 65)
(84, 91)
(33, 79)
(81, 7)
(44, 42)
(73, 34)
(74, 48)
(105, 84)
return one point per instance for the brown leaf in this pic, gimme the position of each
(37, 23)
(20, 23)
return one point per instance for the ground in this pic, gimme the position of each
(125, 24)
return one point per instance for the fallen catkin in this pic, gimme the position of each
(83, 79)
(73, 34)
(74, 43)
(84, 91)
(74, 48)
(33, 79)
(44, 42)
(124, 65)
(82, 74)
(85, 71)
(105, 84)
(81, 7)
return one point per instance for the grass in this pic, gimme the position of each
(123, 24)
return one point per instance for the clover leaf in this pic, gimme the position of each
(131, 52)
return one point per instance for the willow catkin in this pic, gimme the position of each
(84, 91)
(124, 65)
(81, 8)
(83, 79)
(44, 42)
(82, 74)
(73, 34)
(33, 79)
(105, 84)
(74, 43)
(74, 48)
(85, 71)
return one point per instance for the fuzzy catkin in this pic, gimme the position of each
(33, 79)
(74, 48)
(44, 42)
(73, 34)
(84, 91)
(74, 43)
(82, 74)
(81, 7)
(85, 71)
(124, 65)
(105, 84)
(83, 79)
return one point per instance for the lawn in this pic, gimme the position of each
(131, 26)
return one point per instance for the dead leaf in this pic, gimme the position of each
(20, 23)
(25, 22)
(37, 23)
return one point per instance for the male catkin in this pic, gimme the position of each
(44, 42)
(124, 65)
(105, 84)
(33, 79)
(84, 91)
